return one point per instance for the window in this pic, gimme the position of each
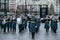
(2, 1)
(2, 6)
(7, 5)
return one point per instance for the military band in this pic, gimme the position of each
(8, 24)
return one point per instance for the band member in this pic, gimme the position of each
(47, 24)
(4, 24)
(32, 25)
(0, 22)
(14, 24)
(10, 23)
(37, 22)
(29, 17)
(59, 18)
(24, 20)
(19, 22)
(54, 25)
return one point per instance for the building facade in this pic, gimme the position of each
(4, 4)
(32, 4)
(56, 5)
(12, 5)
(59, 7)
(35, 4)
(7, 7)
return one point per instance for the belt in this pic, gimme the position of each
(32, 21)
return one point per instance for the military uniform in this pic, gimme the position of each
(8, 22)
(47, 25)
(37, 23)
(29, 23)
(59, 18)
(32, 26)
(24, 20)
(54, 25)
(14, 24)
(1, 24)
(4, 24)
(19, 22)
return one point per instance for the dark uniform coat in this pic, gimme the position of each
(32, 24)
(14, 23)
(0, 22)
(4, 24)
(54, 24)
(46, 24)
(38, 22)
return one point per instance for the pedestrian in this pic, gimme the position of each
(10, 23)
(19, 22)
(29, 18)
(24, 20)
(47, 24)
(32, 26)
(54, 25)
(0, 22)
(14, 24)
(59, 18)
(7, 24)
(37, 22)
(4, 24)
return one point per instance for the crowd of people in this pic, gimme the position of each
(8, 23)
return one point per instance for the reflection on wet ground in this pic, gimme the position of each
(25, 35)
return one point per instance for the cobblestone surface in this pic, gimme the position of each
(25, 35)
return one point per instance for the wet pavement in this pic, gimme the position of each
(25, 35)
